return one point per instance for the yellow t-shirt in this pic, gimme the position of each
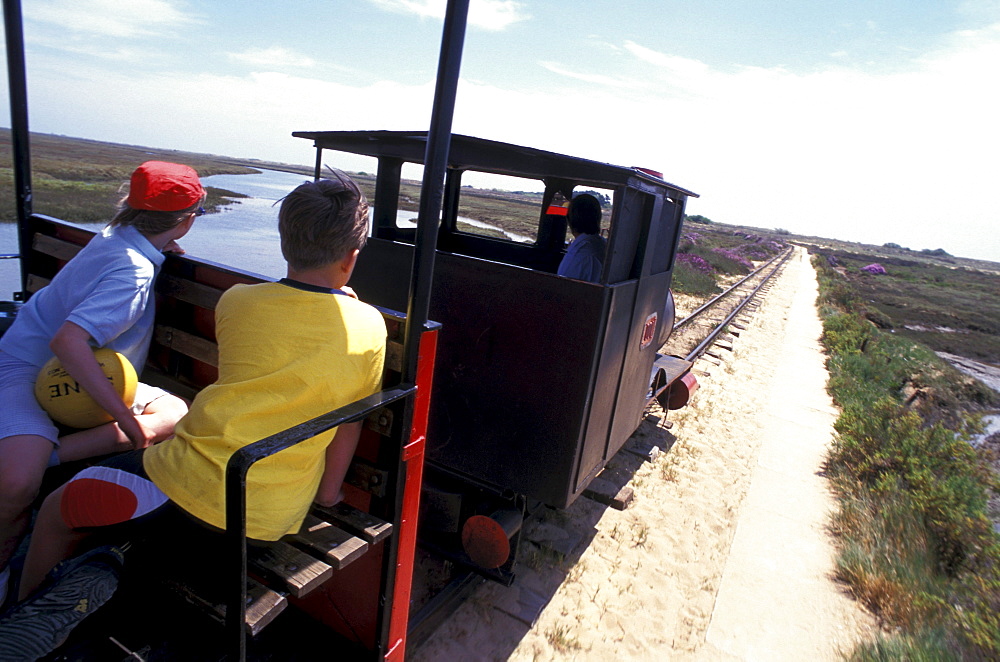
(285, 356)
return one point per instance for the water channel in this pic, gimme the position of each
(243, 234)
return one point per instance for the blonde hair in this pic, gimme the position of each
(150, 222)
(321, 222)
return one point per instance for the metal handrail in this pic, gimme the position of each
(236, 483)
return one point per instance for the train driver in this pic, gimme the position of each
(584, 258)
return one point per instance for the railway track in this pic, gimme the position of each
(718, 321)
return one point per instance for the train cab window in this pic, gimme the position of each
(408, 203)
(499, 207)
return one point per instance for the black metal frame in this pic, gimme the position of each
(236, 483)
(17, 82)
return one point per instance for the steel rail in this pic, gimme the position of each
(707, 342)
(711, 302)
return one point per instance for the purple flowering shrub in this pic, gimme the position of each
(688, 241)
(693, 275)
(752, 251)
(874, 268)
(700, 258)
(695, 262)
(734, 256)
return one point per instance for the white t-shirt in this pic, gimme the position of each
(106, 289)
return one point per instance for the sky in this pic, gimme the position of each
(863, 120)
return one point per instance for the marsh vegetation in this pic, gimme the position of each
(917, 544)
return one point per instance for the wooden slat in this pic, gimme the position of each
(331, 544)
(57, 248)
(298, 572)
(188, 291)
(394, 356)
(167, 383)
(367, 527)
(188, 344)
(36, 283)
(263, 604)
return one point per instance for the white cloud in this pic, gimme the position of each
(111, 51)
(670, 63)
(846, 152)
(487, 14)
(496, 14)
(274, 57)
(588, 77)
(110, 18)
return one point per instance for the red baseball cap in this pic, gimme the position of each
(162, 186)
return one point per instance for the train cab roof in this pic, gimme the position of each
(490, 156)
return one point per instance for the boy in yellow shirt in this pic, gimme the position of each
(288, 351)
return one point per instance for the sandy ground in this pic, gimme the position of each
(721, 555)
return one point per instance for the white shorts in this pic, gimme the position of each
(21, 412)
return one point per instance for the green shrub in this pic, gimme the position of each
(926, 645)
(845, 333)
(916, 544)
(688, 280)
(697, 218)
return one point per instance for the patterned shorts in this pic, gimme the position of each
(114, 492)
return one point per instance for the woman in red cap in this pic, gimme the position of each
(103, 297)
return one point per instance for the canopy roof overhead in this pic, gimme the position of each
(469, 153)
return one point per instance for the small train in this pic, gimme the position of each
(506, 385)
(540, 379)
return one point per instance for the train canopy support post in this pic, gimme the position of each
(16, 81)
(432, 186)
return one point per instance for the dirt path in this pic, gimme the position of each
(722, 555)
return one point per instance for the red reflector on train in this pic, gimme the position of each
(487, 539)
(648, 331)
(680, 392)
(648, 171)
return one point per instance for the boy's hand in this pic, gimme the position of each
(174, 247)
(327, 501)
(137, 433)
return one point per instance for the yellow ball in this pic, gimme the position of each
(65, 400)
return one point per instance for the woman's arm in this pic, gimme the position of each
(70, 345)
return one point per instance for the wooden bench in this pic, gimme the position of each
(183, 358)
